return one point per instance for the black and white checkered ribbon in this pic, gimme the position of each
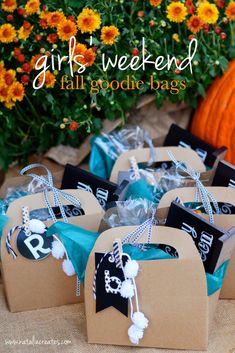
(117, 253)
(24, 226)
(131, 238)
(138, 232)
(201, 192)
(47, 181)
(135, 168)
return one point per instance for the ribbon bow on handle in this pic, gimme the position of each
(201, 193)
(47, 181)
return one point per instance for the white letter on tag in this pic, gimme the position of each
(34, 249)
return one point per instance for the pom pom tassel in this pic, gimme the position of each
(127, 289)
(139, 320)
(36, 226)
(131, 269)
(68, 267)
(135, 334)
(57, 250)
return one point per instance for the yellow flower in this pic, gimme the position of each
(7, 33)
(176, 12)
(9, 104)
(66, 29)
(54, 18)
(32, 6)
(9, 5)
(176, 37)
(230, 10)
(16, 91)
(24, 33)
(155, 3)
(88, 21)
(208, 12)
(109, 34)
(50, 79)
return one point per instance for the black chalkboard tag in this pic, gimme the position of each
(77, 178)
(34, 246)
(224, 175)
(208, 238)
(156, 165)
(108, 284)
(43, 214)
(183, 138)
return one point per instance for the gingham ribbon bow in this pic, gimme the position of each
(47, 181)
(201, 191)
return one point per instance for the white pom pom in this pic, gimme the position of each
(36, 226)
(127, 289)
(131, 269)
(139, 320)
(57, 250)
(68, 267)
(135, 334)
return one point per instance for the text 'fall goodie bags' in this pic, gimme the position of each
(156, 303)
(33, 278)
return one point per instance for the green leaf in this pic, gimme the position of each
(201, 90)
(223, 63)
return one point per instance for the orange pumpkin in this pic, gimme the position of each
(214, 120)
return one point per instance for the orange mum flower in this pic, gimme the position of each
(109, 35)
(8, 77)
(66, 29)
(24, 33)
(176, 12)
(89, 57)
(32, 6)
(155, 3)
(54, 18)
(80, 49)
(9, 5)
(230, 11)
(88, 21)
(2, 68)
(3, 93)
(50, 79)
(194, 24)
(43, 19)
(34, 59)
(16, 91)
(52, 38)
(7, 33)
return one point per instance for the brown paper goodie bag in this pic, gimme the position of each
(172, 295)
(225, 220)
(35, 284)
(142, 155)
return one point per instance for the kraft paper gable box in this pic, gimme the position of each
(185, 155)
(226, 221)
(172, 295)
(42, 284)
